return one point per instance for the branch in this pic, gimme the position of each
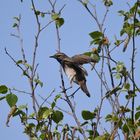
(133, 61)
(24, 71)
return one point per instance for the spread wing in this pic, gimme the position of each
(78, 68)
(82, 59)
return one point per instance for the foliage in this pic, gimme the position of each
(47, 122)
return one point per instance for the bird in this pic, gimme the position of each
(74, 71)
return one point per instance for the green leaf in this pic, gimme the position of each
(42, 136)
(15, 25)
(121, 12)
(55, 16)
(47, 113)
(108, 117)
(28, 66)
(57, 116)
(96, 57)
(100, 138)
(138, 108)
(137, 115)
(84, 123)
(42, 15)
(37, 12)
(57, 97)
(127, 86)
(32, 115)
(11, 99)
(118, 42)
(95, 34)
(120, 67)
(1, 98)
(37, 81)
(85, 2)
(41, 112)
(53, 105)
(118, 76)
(59, 22)
(88, 53)
(108, 2)
(19, 62)
(87, 115)
(125, 128)
(21, 107)
(3, 89)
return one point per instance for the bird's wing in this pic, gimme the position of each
(82, 59)
(69, 62)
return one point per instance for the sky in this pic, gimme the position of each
(74, 40)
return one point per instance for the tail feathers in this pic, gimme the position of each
(84, 88)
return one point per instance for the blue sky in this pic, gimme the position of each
(74, 40)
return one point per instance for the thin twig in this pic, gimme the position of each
(47, 97)
(133, 61)
(24, 71)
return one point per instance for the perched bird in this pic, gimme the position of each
(75, 72)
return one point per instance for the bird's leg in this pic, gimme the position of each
(72, 95)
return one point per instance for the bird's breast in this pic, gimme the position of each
(70, 72)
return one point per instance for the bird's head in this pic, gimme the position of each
(59, 56)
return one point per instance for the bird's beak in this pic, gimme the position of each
(53, 56)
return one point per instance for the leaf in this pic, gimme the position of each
(15, 25)
(85, 2)
(12, 111)
(138, 108)
(42, 15)
(57, 97)
(21, 107)
(137, 115)
(37, 81)
(96, 57)
(37, 12)
(3, 89)
(108, 117)
(100, 138)
(11, 99)
(118, 76)
(19, 62)
(59, 22)
(95, 34)
(41, 112)
(84, 123)
(87, 115)
(120, 67)
(125, 128)
(127, 86)
(47, 113)
(53, 105)
(88, 53)
(1, 98)
(57, 116)
(55, 16)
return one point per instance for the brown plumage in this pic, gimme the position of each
(73, 70)
(81, 59)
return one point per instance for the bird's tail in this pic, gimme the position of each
(83, 87)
